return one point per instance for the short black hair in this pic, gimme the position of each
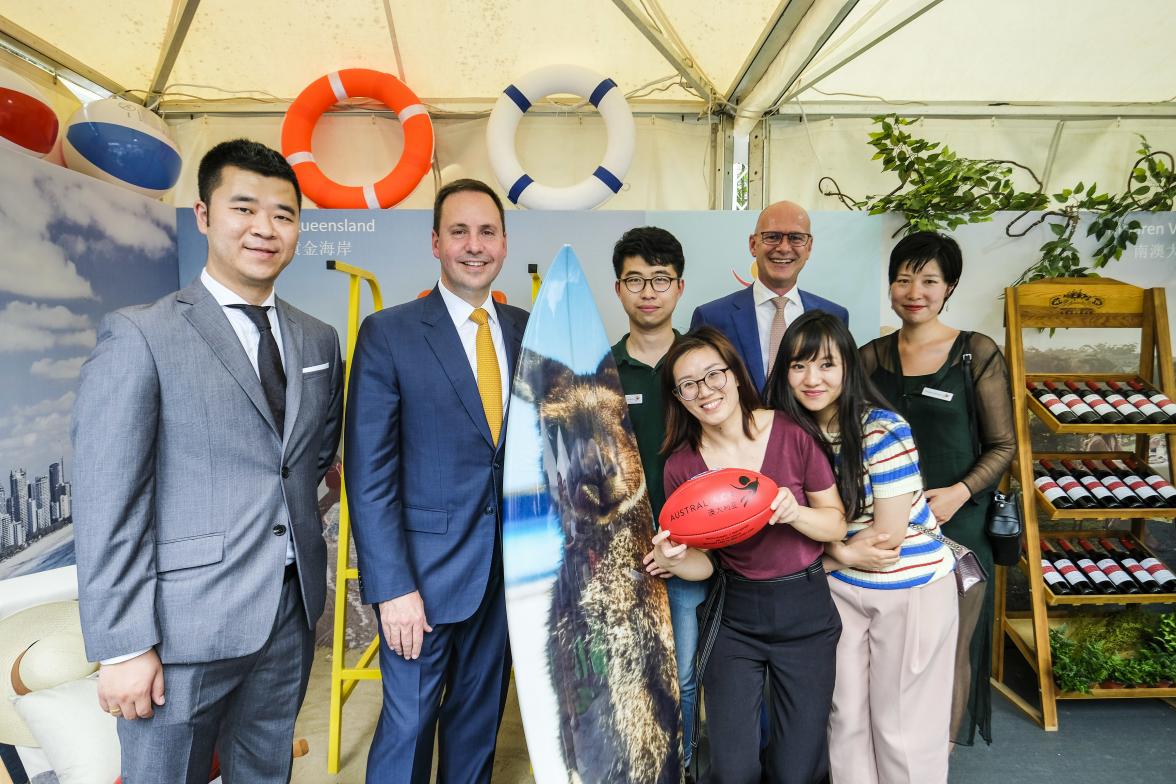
(657, 246)
(915, 250)
(461, 186)
(244, 154)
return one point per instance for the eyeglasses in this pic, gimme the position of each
(636, 284)
(714, 379)
(797, 239)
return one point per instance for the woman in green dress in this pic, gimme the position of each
(922, 369)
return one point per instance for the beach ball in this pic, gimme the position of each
(27, 121)
(123, 143)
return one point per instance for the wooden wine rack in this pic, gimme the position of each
(1097, 303)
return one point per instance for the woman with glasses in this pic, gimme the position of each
(930, 371)
(896, 655)
(769, 612)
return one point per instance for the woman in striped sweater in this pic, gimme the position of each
(895, 659)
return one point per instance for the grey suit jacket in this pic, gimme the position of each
(184, 488)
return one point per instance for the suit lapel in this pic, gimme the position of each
(443, 339)
(209, 321)
(747, 334)
(292, 348)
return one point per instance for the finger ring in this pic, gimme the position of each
(115, 711)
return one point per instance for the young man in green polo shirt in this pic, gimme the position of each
(649, 264)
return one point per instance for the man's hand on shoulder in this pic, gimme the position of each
(404, 623)
(130, 688)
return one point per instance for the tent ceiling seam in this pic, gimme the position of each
(689, 71)
(58, 60)
(183, 11)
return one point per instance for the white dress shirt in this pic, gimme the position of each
(459, 311)
(765, 312)
(248, 334)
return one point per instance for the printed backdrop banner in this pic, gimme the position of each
(74, 248)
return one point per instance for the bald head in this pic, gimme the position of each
(788, 211)
(780, 259)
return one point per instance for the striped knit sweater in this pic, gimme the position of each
(891, 468)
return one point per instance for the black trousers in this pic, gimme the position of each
(787, 630)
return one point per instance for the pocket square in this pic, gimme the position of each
(313, 368)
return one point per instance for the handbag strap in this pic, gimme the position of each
(957, 549)
(970, 393)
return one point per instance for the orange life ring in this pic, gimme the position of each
(322, 94)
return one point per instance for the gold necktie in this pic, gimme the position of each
(489, 378)
(779, 327)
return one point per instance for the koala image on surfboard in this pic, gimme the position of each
(589, 628)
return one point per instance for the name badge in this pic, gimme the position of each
(632, 399)
(937, 394)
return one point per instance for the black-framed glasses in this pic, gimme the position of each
(797, 239)
(636, 284)
(714, 379)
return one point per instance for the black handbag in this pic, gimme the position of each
(1002, 523)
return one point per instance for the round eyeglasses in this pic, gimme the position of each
(714, 379)
(636, 284)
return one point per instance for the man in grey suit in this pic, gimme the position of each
(203, 425)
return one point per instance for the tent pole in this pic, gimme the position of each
(173, 41)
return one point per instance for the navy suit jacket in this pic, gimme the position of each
(423, 477)
(734, 314)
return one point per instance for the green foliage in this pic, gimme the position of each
(1078, 667)
(1134, 648)
(940, 190)
(1165, 634)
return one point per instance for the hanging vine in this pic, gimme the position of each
(940, 190)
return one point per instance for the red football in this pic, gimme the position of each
(719, 508)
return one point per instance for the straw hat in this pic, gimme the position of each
(40, 647)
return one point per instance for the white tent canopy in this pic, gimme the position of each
(702, 75)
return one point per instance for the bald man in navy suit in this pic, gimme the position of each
(781, 244)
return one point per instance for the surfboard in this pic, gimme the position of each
(589, 629)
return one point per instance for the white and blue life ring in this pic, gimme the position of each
(514, 102)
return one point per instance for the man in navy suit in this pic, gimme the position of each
(754, 318)
(423, 467)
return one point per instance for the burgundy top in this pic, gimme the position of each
(793, 460)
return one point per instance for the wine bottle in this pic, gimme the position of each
(1149, 409)
(1109, 566)
(1157, 482)
(1138, 486)
(1159, 399)
(1155, 568)
(1105, 410)
(1101, 582)
(1053, 578)
(1052, 403)
(1113, 483)
(1097, 489)
(1049, 488)
(1077, 493)
(1133, 567)
(1066, 568)
(1131, 414)
(1086, 415)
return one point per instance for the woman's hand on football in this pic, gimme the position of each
(786, 507)
(666, 553)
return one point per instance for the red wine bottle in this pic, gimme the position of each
(1052, 403)
(1109, 566)
(1157, 482)
(1158, 399)
(1071, 486)
(1138, 486)
(1097, 489)
(1113, 483)
(1101, 582)
(1131, 414)
(1149, 409)
(1133, 567)
(1155, 568)
(1049, 488)
(1086, 415)
(1066, 568)
(1105, 410)
(1053, 578)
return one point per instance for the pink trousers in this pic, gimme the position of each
(892, 699)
